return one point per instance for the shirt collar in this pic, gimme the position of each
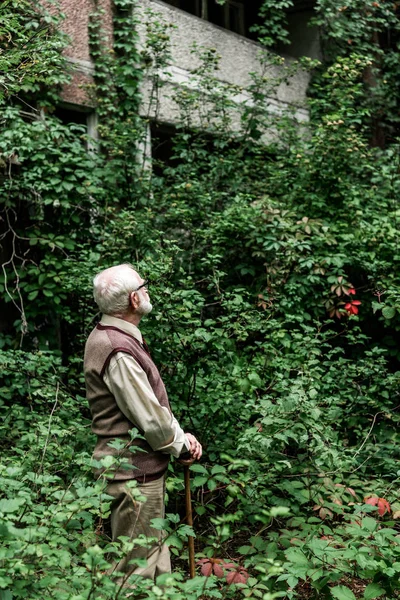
(122, 324)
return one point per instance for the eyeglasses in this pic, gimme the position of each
(144, 285)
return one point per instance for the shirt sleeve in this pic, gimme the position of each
(129, 385)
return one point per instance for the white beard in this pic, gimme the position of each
(145, 307)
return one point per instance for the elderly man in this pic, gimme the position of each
(125, 391)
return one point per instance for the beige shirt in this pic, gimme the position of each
(134, 395)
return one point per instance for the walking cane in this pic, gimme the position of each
(189, 516)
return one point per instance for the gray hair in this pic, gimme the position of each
(112, 287)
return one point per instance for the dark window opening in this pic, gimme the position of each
(239, 16)
(194, 7)
(303, 39)
(186, 153)
(70, 115)
(78, 115)
(162, 147)
(235, 15)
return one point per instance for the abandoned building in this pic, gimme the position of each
(227, 28)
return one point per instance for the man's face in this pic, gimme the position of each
(145, 306)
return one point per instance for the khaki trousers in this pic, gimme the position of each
(132, 518)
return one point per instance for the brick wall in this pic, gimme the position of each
(75, 25)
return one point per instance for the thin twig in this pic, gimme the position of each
(368, 434)
(48, 429)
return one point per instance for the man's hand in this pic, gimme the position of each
(195, 447)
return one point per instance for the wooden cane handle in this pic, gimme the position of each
(186, 462)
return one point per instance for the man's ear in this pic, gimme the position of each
(134, 300)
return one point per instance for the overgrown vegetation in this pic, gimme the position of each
(274, 267)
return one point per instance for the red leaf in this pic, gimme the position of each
(216, 566)
(372, 500)
(218, 570)
(325, 512)
(239, 576)
(351, 307)
(383, 506)
(337, 501)
(206, 569)
(229, 565)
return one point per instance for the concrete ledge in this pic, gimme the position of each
(86, 67)
(239, 58)
(239, 55)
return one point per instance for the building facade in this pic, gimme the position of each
(201, 24)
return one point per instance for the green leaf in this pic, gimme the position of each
(218, 469)
(246, 550)
(159, 523)
(211, 484)
(198, 468)
(174, 540)
(388, 312)
(296, 556)
(370, 524)
(199, 480)
(277, 511)
(67, 185)
(376, 306)
(342, 593)
(373, 590)
(195, 584)
(255, 379)
(108, 461)
(11, 505)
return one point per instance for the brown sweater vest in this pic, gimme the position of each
(109, 423)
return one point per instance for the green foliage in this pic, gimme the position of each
(31, 58)
(273, 269)
(372, 32)
(273, 27)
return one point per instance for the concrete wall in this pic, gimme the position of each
(238, 58)
(75, 25)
